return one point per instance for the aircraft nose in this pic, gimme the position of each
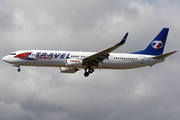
(6, 58)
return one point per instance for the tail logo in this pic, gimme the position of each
(157, 44)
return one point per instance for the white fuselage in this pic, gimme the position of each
(71, 61)
(49, 58)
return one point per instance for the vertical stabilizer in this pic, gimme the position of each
(156, 47)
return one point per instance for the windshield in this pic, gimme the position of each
(12, 53)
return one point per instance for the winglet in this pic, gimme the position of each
(123, 40)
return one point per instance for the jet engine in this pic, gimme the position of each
(74, 63)
(68, 70)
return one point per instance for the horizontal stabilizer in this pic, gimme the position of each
(164, 55)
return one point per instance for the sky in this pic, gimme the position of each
(93, 25)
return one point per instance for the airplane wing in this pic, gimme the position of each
(97, 58)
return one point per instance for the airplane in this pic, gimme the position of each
(73, 61)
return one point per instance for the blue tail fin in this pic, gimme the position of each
(156, 47)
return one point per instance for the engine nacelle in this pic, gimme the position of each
(74, 63)
(68, 70)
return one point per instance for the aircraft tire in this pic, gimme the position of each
(91, 70)
(19, 70)
(86, 74)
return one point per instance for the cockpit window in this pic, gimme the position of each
(12, 53)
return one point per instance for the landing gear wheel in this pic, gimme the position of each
(86, 74)
(19, 70)
(91, 70)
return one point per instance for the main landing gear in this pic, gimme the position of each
(90, 70)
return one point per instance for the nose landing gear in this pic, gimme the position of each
(15, 65)
(19, 69)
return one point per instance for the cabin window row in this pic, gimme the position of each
(74, 56)
(83, 56)
(121, 58)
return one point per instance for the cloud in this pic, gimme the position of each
(44, 93)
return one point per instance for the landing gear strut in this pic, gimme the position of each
(15, 65)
